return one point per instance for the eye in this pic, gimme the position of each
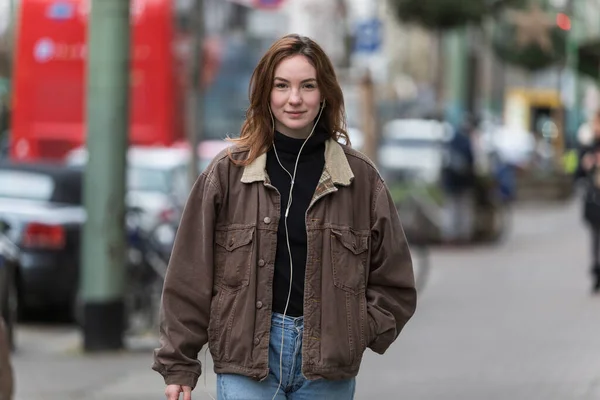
(310, 86)
(280, 85)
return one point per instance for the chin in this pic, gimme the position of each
(297, 125)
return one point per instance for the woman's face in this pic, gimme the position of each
(295, 97)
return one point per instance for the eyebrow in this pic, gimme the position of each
(304, 81)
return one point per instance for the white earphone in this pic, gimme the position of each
(287, 210)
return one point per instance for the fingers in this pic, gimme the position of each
(172, 392)
(187, 393)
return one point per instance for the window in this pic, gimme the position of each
(148, 179)
(26, 185)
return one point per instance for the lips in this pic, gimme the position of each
(295, 114)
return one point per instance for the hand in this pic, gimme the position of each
(172, 392)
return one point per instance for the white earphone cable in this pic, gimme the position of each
(287, 210)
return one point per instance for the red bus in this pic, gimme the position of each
(48, 100)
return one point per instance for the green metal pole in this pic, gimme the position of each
(456, 72)
(488, 65)
(103, 272)
(573, 114)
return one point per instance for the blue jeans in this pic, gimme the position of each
(294, 386)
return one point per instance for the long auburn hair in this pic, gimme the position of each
(257, 130)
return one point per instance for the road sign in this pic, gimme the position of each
(368, 36)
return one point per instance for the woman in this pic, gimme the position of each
(589, 161)
(290, 259)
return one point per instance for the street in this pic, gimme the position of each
(510, 322)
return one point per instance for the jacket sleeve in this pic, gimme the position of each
(187, 291)
(391, 293)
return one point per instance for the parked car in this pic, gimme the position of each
(158, 178)
(7, 378)
(414, 146)
(42, 216)
(8, 288)
(4, 147)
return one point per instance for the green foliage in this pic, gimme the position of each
(447, 14)
(589, 59)
(532, 56)
(400, 192)
(440, 14)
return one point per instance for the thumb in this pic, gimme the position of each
(187, 393)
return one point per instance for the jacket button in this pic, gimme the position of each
(261, 263)
(267, 220)
(256, 341)
(259, 304)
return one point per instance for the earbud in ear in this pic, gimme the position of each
(323, 103)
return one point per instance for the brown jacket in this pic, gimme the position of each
(359, 288)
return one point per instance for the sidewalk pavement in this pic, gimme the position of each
(514, 321)
(50, 365)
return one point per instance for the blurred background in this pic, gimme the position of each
(473, 111)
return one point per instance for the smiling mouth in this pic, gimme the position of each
(298, 114)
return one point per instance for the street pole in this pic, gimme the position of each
(456, 71)
(573, 113)
(107, 111)
(195, 108)
(369, 116)
(440, 72)
(487, 68)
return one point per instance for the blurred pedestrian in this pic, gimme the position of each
(6, 371)
(585, 135)
(290, 259)
(588, 170)
(458, 181)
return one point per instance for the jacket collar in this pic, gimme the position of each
(336, 164)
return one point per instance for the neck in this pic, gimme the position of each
(289, 146)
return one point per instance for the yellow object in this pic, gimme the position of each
(570, 161)
(539, 111)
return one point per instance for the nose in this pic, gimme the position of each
(295, 98)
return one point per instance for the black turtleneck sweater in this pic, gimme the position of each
(310, 168)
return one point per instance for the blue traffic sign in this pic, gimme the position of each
(368, 36)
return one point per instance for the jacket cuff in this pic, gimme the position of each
(183, 378)
(383, 342)
(379, 343)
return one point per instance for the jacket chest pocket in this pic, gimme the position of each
(349, 259)
(233, 255)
